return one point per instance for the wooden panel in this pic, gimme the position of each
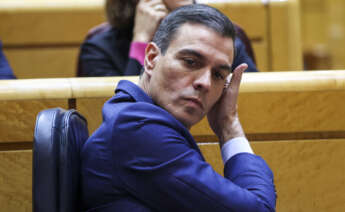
(285, 35)
(323, 26)
(336, 32)
(254, 24)
(43, 62)
(36, 19)
(51, 30)
(286, 112)
(314, 23)
(16, 181)
(92, 111)
(48, 22)
(292, 111)
(17, 118)
(50, 34)
(60, 26)
(309, 175)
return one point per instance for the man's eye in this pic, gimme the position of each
(189, 61)
(219, 75)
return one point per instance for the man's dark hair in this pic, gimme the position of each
(195, 14)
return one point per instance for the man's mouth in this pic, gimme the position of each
(196, 101)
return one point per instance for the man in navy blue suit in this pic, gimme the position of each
(143, 158)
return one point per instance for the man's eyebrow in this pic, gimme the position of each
(202, 57)
(226, 68)
(191, 52)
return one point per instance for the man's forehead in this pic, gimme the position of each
(202, 41)
(195, 33)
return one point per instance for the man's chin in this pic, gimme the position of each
(188, 121)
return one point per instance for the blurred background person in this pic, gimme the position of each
(117, 48)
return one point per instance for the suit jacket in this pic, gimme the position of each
(5, 69)
(106, 54)
(142, 159)
(241, 56)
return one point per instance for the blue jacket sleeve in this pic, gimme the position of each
(162, 169)
(5, 69)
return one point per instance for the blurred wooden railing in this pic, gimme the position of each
(42, 37)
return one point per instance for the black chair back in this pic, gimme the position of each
(58, 139)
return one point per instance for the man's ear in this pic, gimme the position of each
(152, 53)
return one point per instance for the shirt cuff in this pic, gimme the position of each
(137, 51)
(235, 146)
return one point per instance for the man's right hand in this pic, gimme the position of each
(223, 117)
(149, 14)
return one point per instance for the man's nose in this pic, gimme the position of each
(203, 81)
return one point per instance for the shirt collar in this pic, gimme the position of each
(134, 91)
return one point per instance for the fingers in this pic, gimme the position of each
(160, 8)
(223, 117)
(153, 6)
(233, 88)
(157, 5)
(237, 76)
(148, 15)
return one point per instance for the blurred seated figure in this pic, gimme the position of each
(117, 48)
(5, 69)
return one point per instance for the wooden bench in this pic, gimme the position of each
(294, 120)
(40, 35)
